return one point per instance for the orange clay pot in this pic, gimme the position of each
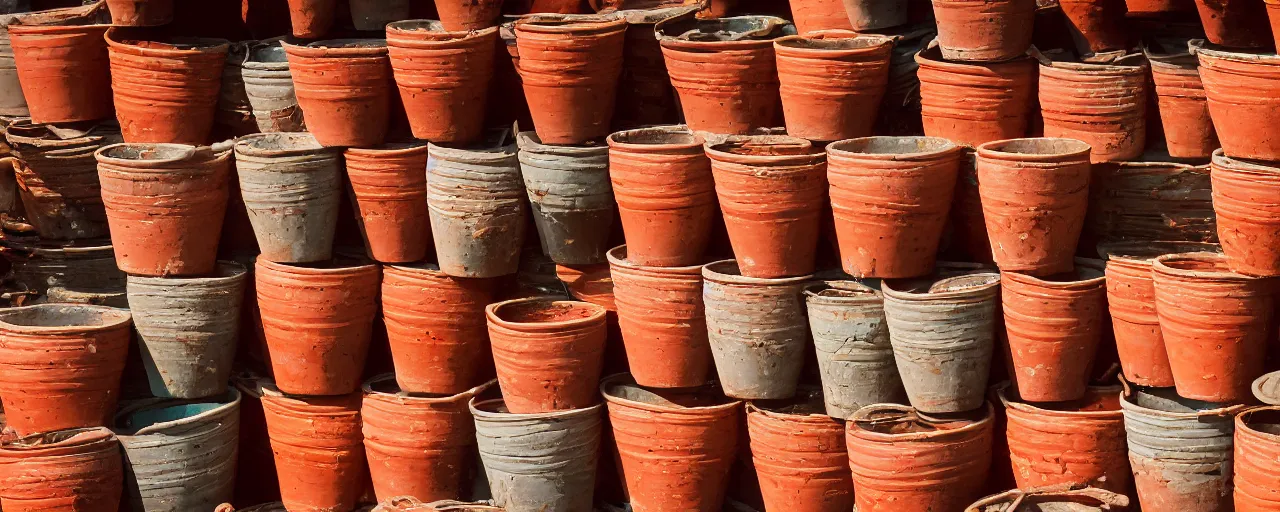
(548, 353)
(77, 470)
(443, 77)
(344, 90)
(799, 454)
(140, 13)
(1235, 24)
(63, 67)
(318, 450)
(468, 14)
(831, 86)
(1184, 108)
(973, 103)
(1097, 25)
(1054, 326)
(570, 69)
(312, 18)
(1104, 105)
(1248, 222)
(390, 188)
(988, 31)
(1257, 450)
(1243, 91)
(662, 320)
(1084, 438)
(165, 91)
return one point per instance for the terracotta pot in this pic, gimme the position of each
(814, 15)
(1159, 8)
(165, 204)
(590, 283)
(312, 18)
(77, 470)
(436, 328)
(539, 462)
(458, 15)
(57, 178)
(75, 265)
(1257, 448)
(1236, 24)
(1097, 26)
(724, 70)
(876, 14)
(902, 461)
(686, 467)
(799, 454)
(891, 196)
(851, 339)
(1243, 99)
(832, 85)
(661, 177)
(63, 65)
(344, 90)
(476, 201)
(1132, 302)
(1214, 323)
(548, 353)
(1054, 326)
(772, 192)
(291, 187)
(1151, 201)
(62, 365)
(645, 96)
(984, 31)
(390, 188)
(165, 91)
(317, 322)
(975, 103)
(418, 446)
(1184, 108)
(664, 328)
(757, 329)
(1035, 193)
(1247, 222)
(443, 77)
(1104, 105)
(1085, 436)
(571, 198)
(140, 13)
(318, 449)
(1086, 499)
(570, 67)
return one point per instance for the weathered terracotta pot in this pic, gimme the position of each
(476, 200)
(548, 353)
(1104, 105)
(1247, 222)
(374, 15)
(974, 103)
(63, 65)
(312, 18)
(268, 87)
(832, 84)
(80, 265)
(436, 327)
(57, 178)
(539, 462)
(1184, 108)
(1035, 194)
(318, 449)
(891, 196)
(771, 190)
(317, 322)
(686, 467)
(165, 91)
(390, 188)
(851, 338)
(664, 328)
(661, 178)
(1086, 499)
(724, 70)
(291, 187)
(984, 31)
(165, 204)
(1054, 326)
(1097, 26)
(1158, 8)
(1086, 436)
(571, 197)
(1243, 99)
(1235, 24)
(570, 67)
(140, 13)
(466, 15)
(903, 461)
(942, 330)
(443, 77)
(799, 454)
(875, 14)
(1214, 323)
(1151, 201)
(75, 470)
(814, 15)
(1257, 448)
(417, 446)
(757, 329)
(344, 89)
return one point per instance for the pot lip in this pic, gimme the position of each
(991, 278)
(1159, 266)
(435, 28)
(184, 152)
(997, 149)
(714, 151)
(390, 149)
(229, 400)
(1261, 383)
(1003, 390)
(420, 268)
(339, 48)
(20, 29)
(176, 47)
(849, 148)
(228, 272)
(1184, 60)
(626, 379)
(529, 142)
(114, 318)
(334, 407)
(931, 56)
(1220, 159)
(570, 24)
(1081, 277)
(307, 144)
(597, 314)
(1202, 48)
(768, 25)
(653, 16)
(856, 417)
(58, 16)
(828, 44)
(1212, 409)
(419, 398)
(21, 446)
(1135, 167)
(671, 130)
(813, 394)
(865, 294)
(479, 409)
(495, 154)
(1144, 253)
(732, 275)
(1069, 492)
(1129, 64)
(299, 268)
(1242, 422)
(90, 136)
(617, 257)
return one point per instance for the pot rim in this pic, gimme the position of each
(1216, 409)
(479, 409)
(597, 313)
(1158, 265)
(1078, 280)
(1014, 496)
(814, 155)
(626, 379)
(671, 130)
(102, 435)
(864, 293)
(856, 417)
(1220, 159)
(491, 154)
(301, 270)
(682, 43)
(1203, 48)
(1147, 251)
(113, 318)
(529, 141)
(797, 45)
(1261, 382)
(1003, 391)
(228, 272)
(419, 398)
(390, 149)
(16, 28)
(232, 397)
(812, 394)
(308, 145)
(178, 47)
(268, 389)
(996, 149)
(926, 57)
(1129, 64)
(570, 24)
(350, 48)
(1243, 423)
(947, 149)
(617, 257)
(710, 272)
(435, 28)
(991, 276)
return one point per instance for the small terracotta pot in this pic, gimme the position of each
(851, 341)
(686, 467)
(390, 188)
(443, 77)
(1247, 222)
(291, 187)
(1096, 25)
(344, 90)
(975, 103)
(570, 67)
(832, 85)
(436, 328)
(63, 66)
(477, 201)
(1244, 99)
(140, 13)
(1086, 435)
(545, 461)
(814, 15)
(876, 14)
(318, 449)
(1087, 499)
(458, 15)
(312, 18)
(1054, 326)
(1104, 105)
(664, 328)
(1257, 448)
(1214, 323)
(1235, 24)
(1124, 205)
(317, 323)
(1035, 193)
(984, 31)
(799, 454)
(548, 353)
(772, 192)
(891, 196)
(165, 91)
(76, 470)
(1184, 108)
(902, 461)
(590, 283)
(571, 198)
(57, 179)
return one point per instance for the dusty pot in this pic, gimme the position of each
(1085, 435)
(687, 466)
(875, 14)
(344, 89)
(1096, 26)
(75, 470)
(1235, 24)
(57, 178)
(757, 329)
(1054, 326)
(70, 265)
(548, 352)
(661, 178)
(973, 103)
(1244, 100)
(188, 329)
(436, 327)
(1247, 223)
(569, 66)
(443, 77)
(832, 85)
(62, 365)
(291, 186)
(904, 461)
(165, 204)
(571, 196)
(166, 91)
(63, 65)
(771, 190)
(984, 31)
(814, 15)
(476, 200)
(374, 15)
(1074, 498)
(390, 188)
(140, 13)
(459, 15)
(1184, 108)
(312, 18)
(1214, 323)
(12, 102)
(1151, 201)
(203, 434)
(664, 328)
(799, 454)
(268, 87)
(317, 322)
(942, 330)
(417, 445)
(851, 338)
(318, 449)
(1257, 448)
(891, 197)
(1035, 194)
(543, 462)
(1103, 105)
(724, 70)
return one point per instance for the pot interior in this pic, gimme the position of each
(63, 315)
